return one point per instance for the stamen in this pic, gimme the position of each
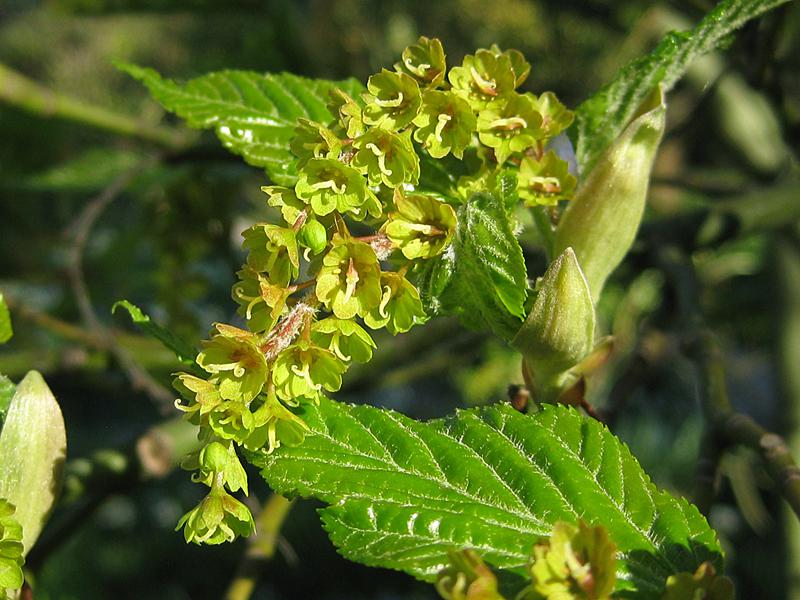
(394, 103)
(443, 121)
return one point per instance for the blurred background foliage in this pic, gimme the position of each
(131, 206)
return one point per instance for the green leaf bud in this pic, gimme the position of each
(286, 200)
(272, 250)
(217, 519)
(11, 549)
(482, 77)
(545, 181)
(519, 65)
(424, 61)
(233, 357)
(203, 396)
(422, 226)
(219, 462)
(304, 369)
(509, 124)
(261, 303)
(386, 157)
(467, 578)
(329, 185)
(313, 235)
(392, 101)
(400, 307)
(555, 116)
(445, 124)
(313, 140)
(348, 283)
(575, 562)
(348, 113)
(600, 223)
(704, 583)
(345, 338)
(559, 330)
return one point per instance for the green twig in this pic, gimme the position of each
(26, 94)
(260, 548)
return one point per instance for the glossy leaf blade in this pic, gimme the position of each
(488, 285)
(401, 492)
(33, 446)
(253, 114)
(601, 118)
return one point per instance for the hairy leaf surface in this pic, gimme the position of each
(402, 492)
(487, 284)
(601, 118)
(253, 114)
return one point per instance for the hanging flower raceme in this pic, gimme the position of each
(370, 205)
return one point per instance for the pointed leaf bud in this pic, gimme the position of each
(559, 330)
(600, 223)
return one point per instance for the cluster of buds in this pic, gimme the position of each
(354, 228)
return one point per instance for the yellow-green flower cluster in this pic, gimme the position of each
(353, 229)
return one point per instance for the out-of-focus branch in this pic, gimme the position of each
(24, 93)
(730, 428)
(260, 548)
(78, 234)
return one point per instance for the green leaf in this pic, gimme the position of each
(185, 352)
(401, 493)
(253, 114)
(488, 285)
(7, 389)
(6, 331)
(33, 446)
(601, 118)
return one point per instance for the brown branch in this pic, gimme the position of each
(78, 234)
